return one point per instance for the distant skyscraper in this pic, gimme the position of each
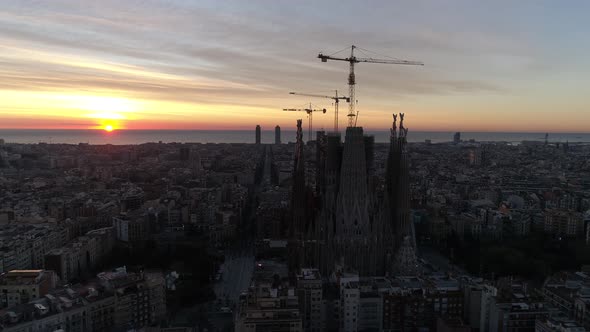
(277, 135)
(457, 138)
(546, 138)
(258, 134)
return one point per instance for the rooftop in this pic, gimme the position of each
(309, 274)
(23, 273)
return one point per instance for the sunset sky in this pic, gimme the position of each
(179, 64)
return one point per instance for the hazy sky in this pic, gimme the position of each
(493, 65)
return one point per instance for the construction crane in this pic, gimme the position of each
(352, 116)
(336, 99)
(309, 112)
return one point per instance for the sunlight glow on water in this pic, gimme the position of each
(247, 136)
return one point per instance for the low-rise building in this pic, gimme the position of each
(22, 286)
(515, 309)
(564, 223)
(140, 297)
(81, 256)
(558, 324)
(270, 304)
(77, 309)
(309, 294)
(478, 297)
(131, 228)
(415, 303)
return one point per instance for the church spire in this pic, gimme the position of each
(394, 127)
(397, 225)
(298, 218)
(403, 132)
(299, 165)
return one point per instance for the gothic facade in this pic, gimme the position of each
(357, 225)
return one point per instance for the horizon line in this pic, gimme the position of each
(294, 129)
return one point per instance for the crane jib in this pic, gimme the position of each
(353, 116)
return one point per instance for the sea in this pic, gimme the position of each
(123, 137)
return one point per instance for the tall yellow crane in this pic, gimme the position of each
(336, 99)
(309, 112)
(351, 78)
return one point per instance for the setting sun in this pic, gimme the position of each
(109, 128)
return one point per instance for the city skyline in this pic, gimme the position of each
(179, 165)
(185, 65)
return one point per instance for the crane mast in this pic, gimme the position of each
(336, 99)
(309, 112)
(351, 84)
(352, 60)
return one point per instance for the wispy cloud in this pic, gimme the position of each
(237, 54)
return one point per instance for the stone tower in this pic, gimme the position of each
(353, 236)
(397, 225)
(298, 222)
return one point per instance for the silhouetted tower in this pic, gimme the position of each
(370, 157)
(327, 223)
(333, 164)
(321, 150)
(353, 240)
(398, 226)
(297, 227)
(457, 138)
(258, 134)
(359, 228)
(277, 135)
(546, 138)
(401, 181)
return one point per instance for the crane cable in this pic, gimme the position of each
(378, 54)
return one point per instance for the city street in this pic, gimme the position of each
(236, 273)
